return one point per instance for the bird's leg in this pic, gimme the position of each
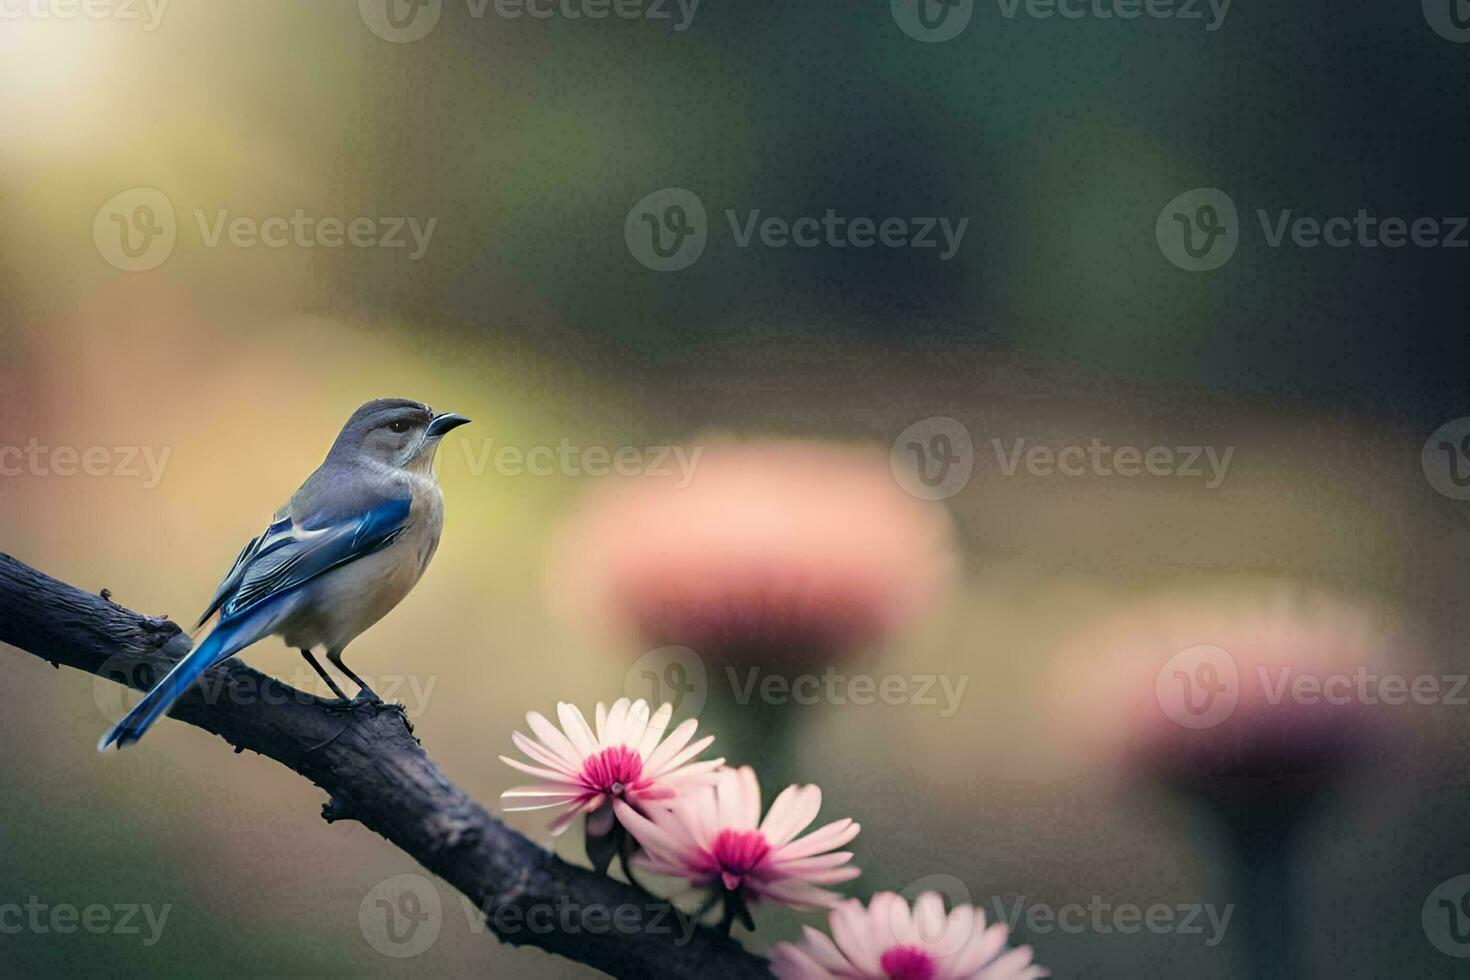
(364, 693)
(322, 673)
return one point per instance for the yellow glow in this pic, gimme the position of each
(51, 72)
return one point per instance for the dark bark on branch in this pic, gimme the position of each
(375, 772)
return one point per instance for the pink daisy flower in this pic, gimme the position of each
(886, 941)
(627, 759)
(715, 839)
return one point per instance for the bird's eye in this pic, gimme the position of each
(400, 426)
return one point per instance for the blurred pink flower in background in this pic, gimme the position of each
(1230, 693)
(1255, 705)
(715, 839)
(886, 941)
(626, 759)
(773, 552)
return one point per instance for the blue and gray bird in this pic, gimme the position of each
(342, 552)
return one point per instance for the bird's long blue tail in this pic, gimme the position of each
(225, 641)
(164, 693)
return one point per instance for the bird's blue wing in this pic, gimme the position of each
(227, 586)
(288, 555)
(260, 592)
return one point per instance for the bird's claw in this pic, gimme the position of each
(364, 699)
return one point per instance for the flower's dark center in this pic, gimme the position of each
(908, 963)
(612, 771)
(738, 852)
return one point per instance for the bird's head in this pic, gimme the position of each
(396, 432)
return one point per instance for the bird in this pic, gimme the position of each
(345, 549)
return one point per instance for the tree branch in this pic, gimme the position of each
(376, 773)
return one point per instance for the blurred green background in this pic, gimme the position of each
(529, 140)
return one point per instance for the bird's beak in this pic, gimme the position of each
(441, 424)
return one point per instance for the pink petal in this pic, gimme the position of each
(791, 813)
(553, 739)
(655, 730)
(693, 750)
(576, 728)
(834, 834)
(555, 776)
(677, 739)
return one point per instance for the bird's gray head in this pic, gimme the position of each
(394, 431)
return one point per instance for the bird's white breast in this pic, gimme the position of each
(344, 602)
